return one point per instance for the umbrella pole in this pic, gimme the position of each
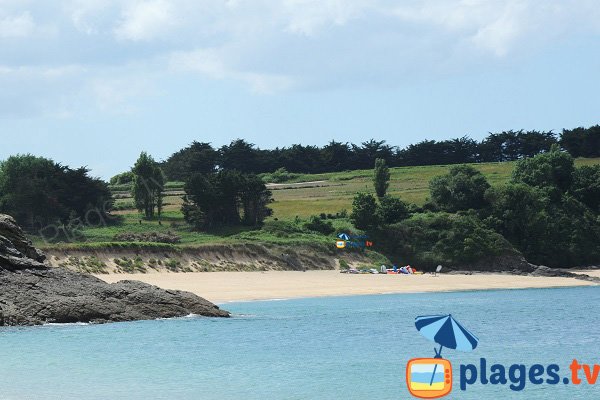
(438, 354)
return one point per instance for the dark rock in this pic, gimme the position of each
(32, 293)
(513, 263)
(16, 251)
(542, 270)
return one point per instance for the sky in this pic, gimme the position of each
(94, 83)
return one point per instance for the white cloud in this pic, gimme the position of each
(145, 20)
(16, 26)
(114, 95)
(264, 45)
(308, 16)
(210, 63)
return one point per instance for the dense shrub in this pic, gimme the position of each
(586, 186)
(429, 239)
(392, 210)
(320, 225)
(40, 193)
(463, 188)
(553, 170)
(280, 175)
(364, 212)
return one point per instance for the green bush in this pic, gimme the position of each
(282, 228)
(317, 224)
(364, 212)
(392, 210)
(426, 240)
(463, 188)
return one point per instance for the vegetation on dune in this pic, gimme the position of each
(541, 213)
(432, 238)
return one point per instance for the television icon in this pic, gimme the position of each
(340, 244)
(429, 378)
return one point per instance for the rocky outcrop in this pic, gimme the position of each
(32, 293)
(513, 263)
(542, 270)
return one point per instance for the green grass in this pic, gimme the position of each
(291, 200)
(411, 184)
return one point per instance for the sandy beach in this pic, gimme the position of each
(222, 287)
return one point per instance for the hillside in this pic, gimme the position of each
(283, 243)
(308, 194)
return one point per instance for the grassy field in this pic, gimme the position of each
(334, 191)
(301, 197)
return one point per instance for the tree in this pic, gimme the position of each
(122, 178)
(148, 185)
(364, 212)
(241, 156)
(586, 186)
(581, 142)
(38, 192)
(463, 188)
(255, 198)
(392, 210)
(519, 213)
(214, 200)
(336, 156)
(430, 239)
(552, 170)
(558, 231)
(198, 157)
(381, 177)
(202, 201)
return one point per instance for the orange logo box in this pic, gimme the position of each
(340, 244)
(429, 378)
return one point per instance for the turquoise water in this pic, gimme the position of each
(326, 348)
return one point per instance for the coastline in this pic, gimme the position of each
(224, 287)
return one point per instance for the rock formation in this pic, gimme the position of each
(31, 293)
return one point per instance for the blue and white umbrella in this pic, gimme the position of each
(447, 332)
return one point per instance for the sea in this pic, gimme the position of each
(354, 347)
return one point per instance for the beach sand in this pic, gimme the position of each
(222, 287)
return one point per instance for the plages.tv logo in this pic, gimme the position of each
(347, 241)
(431, 378)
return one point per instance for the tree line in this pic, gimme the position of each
(336, 156)
(549, 212)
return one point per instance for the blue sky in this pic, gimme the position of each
(96, 82)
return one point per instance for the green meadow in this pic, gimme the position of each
(295, 200)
